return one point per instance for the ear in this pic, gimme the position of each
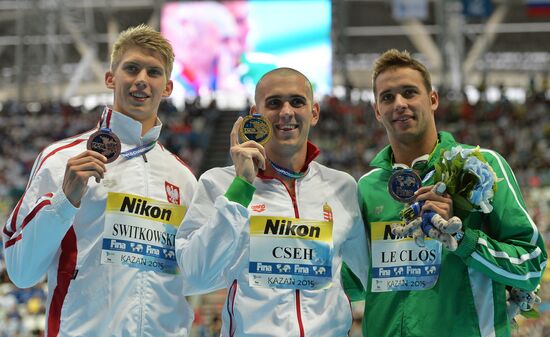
(315, 112)
(434, 99)
(109, 80)
(168, 89)
(377, 111)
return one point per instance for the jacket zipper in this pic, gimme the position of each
(297, 293)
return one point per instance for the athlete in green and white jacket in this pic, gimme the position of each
(430, 291)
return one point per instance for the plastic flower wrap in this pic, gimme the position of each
(470, 181)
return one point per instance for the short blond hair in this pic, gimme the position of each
(143, 36)
(394, 58)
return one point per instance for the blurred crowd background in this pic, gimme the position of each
(348, 135)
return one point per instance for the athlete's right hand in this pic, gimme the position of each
(248, 157)
(77, 172)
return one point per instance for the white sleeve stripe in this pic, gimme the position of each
(514, 260)
(534, 238)
(507, 274)
(369, 173)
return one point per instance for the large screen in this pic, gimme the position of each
(225, 47)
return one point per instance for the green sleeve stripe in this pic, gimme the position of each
(505, 169)
(530, 284)
(240, 191)
(503, 255)
(507, 277)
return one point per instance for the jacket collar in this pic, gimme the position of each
(128, 129)
(384, 158)
(312, 153)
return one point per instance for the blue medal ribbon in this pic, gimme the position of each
(105, 129)
(286, 172)
(129, 154)
(138, 151)
(428, 176)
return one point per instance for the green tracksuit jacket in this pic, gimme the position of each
(502, 248)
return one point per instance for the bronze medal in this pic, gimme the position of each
(105, 142)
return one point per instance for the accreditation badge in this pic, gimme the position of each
(255, 127)
(105, 142)
(399, 264)
(402, 185)
(290, 253)
(140, 233)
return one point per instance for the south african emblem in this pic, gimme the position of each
(106, 143)
(402, 185)
(255, 127)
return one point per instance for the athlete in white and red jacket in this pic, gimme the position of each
(276, 227)
(106, 244)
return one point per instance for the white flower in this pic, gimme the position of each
(464, 153)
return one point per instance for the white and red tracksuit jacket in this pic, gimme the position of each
(46, 236)
(213, 243)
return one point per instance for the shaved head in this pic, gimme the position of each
(282, 72)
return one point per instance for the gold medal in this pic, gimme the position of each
(255, 127)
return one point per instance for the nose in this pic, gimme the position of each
(141, 80)
(287, 110)
(400, 102)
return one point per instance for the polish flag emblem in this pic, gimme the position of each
(172, 193)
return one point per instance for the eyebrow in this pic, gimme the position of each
(286, 97)
(143, 64)
(404, 87)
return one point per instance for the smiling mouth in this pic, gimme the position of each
(139, 95)
(287, 127)
(403, 119)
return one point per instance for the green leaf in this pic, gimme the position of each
(462, 203)
(530, 314)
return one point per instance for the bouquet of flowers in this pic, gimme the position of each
(470, 181)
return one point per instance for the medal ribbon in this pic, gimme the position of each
(138, 151)
(428, 176)
(286, 172)
(105, 121)
(129, 154)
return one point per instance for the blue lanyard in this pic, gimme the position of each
(138, 151)
(286, 172)
(428, 176)
(129, 154)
